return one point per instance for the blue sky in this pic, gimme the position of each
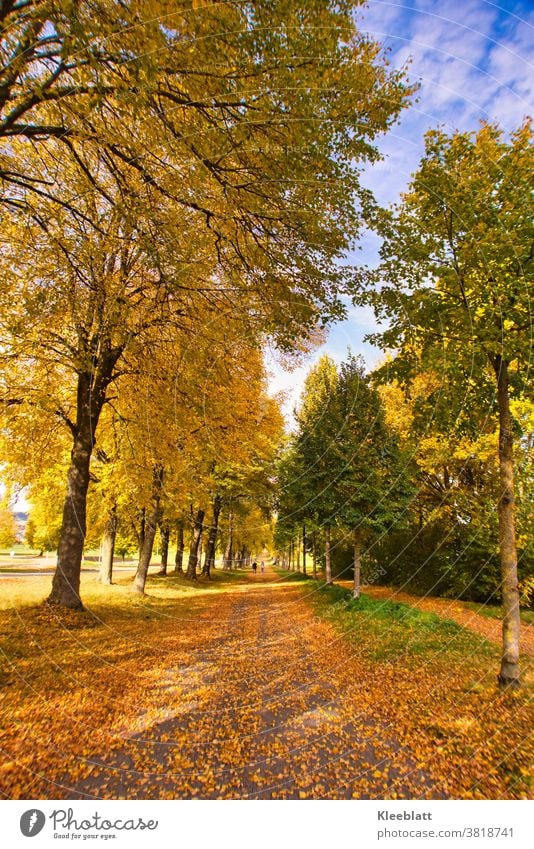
(474, 60)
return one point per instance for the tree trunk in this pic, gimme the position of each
(328, 562)
(209, 562)
(141, 531)
(91, 393)
(298, 552)
(227, 559)
(357, 568)
(509, 672)
(108, 547)
(193, 549)
(165, 532)
(304, 540)
(314, 556)
(179, 557)
(66, 581)
(152, 521)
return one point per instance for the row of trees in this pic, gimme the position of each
(170, 199)
(453, 291)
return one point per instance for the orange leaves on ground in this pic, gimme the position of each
(248, 693)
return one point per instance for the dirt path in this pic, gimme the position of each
(262, 701)
(453, 609)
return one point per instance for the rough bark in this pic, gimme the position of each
(179, 556)
(152, 520)
(357, 568)
(193, 549)
(328, 561)
(66, 581)
(90, 396)
(227, 559)
(509, 671)
(141, 531)
(165, 532)
(211, 545)
(108, 547)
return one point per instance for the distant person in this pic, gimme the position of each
(262, 566)
(254, 567)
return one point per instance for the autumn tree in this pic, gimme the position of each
(8, 526)
(456, 262)
(141, 166)
(317, 496)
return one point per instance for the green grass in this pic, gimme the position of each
(385, 630)
(161, 591)
(493, 611)
(291, 576)
(21, 550)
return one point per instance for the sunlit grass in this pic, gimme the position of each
(22, 592)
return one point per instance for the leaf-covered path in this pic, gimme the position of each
(252, 689)
(262, 702)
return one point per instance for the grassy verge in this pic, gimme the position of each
(19, 593)
(384, 630)
(441, 685)
(492, 611)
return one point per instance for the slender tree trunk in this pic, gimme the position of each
(91, 394)
(108, 547)
(509, 672)
(357, 568)
(193, 549)
(304, 541)
(314, 556)
(152, 521)
(212, 536)
(227, 559)
(165, 533)
(179, 557)
(290, 557)
(142, 528)
(298, 552)
(328, 562)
